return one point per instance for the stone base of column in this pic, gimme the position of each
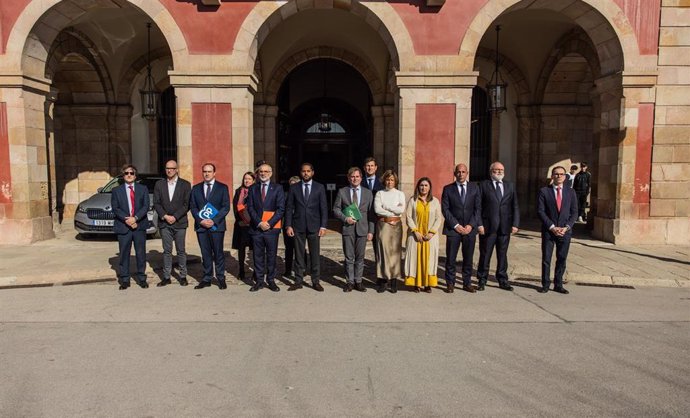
(26, 231)
(654, 231)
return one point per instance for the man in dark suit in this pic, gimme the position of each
(557, 210)
(210, 231)
(171, 202)
(266, 207)
(500, 218)
(356, 233)
(461, 207)
(371, 182)
(306, 216)
(130, 203)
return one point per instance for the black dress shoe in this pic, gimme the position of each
(163, 282)
(543, 290)
(469, 289)
(202, 284)
(427, 289)
(506, 286)
(294, 286)
(348, 287)
(450, 288)
(274, 287)
(124, 286)
(561, 290)
(318, 287)
(481, 287)
(360, 287)
(222, 285)
(256, 287)
(143, 284)
(183, 282)
(241, 275)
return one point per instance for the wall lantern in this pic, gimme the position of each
(497, 87)
(149, 96)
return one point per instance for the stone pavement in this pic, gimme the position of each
(70, 259)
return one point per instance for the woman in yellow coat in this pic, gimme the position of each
(424, 221)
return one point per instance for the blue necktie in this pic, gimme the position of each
(462, 193)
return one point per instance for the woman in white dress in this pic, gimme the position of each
(389, 205)
(424, 219)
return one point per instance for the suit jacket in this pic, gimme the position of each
(119, 201)
(177, 207)
(499, 217)
(455, 212)
(366, 206)
(274, 202)
(548, 212)
(377, 185)
(306, 217)
(219, 198)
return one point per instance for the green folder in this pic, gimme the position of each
(353, 212)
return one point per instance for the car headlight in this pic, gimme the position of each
(81, 209)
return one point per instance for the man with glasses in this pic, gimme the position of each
(266, 207)
(130, 203)
(500, 218)
(171, 202)
(557, 210)
(210, 230)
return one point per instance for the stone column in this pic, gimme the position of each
(24, 186)
(433, 136)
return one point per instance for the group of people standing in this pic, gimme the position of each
(370, 209)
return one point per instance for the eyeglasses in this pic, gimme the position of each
(558, 174)
(171, 168)
(129, 173)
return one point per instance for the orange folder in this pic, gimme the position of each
(268, 215)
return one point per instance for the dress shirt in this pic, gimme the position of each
(171, 187)
(458, 184)
(555, 198)
(129, 201)
(370, 182)
(306, 183)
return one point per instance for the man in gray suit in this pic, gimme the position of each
(171, 202)
(356, 233)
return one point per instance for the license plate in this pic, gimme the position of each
(107, 222)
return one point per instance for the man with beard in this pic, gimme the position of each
(306, 216)
(500, 218)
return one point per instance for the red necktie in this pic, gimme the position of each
(558, 198)
(131, 198)
(263, 191)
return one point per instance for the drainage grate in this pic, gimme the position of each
(528, 279)
(615, 286)
(26, 286)
(88, 281)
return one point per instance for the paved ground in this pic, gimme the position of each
(69, 258)
(91, 350)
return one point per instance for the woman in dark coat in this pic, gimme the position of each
(240, 233)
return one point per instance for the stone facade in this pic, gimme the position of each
(602, 81)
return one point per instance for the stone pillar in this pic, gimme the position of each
(379, 134)
(24, 187)
(390, 137)
(435, 112)
(528, 151)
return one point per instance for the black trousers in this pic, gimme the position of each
(453, 244)
(487, 243)
(265, 246)
(314, 242)
(289, 252)
(211, 244)
(125, 245)
(581, 203)
(562, 244)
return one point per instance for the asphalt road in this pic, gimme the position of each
(94, 351)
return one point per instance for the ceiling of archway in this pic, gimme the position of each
(334, 28)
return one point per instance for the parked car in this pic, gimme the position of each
(95, 215)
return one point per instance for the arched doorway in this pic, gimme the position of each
(323, 118)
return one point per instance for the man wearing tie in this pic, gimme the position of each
(171, 202)
(266, 207)
(372, 182)
(461, 207)
(211, 231)
(130, 203)
(356, 233)
(557, 209)
(306, 217)
(500, 218)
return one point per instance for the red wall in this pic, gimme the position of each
(9, 12)
(435, 144)
(643, 16)
(212, 139)
(5, 173)
(643, 157)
